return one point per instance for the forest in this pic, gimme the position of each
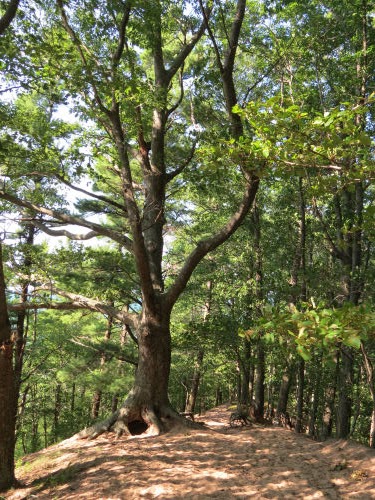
(187, 217)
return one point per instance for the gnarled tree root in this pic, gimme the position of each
(142, 420)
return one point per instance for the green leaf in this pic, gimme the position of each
(353, 341)
(365, 139)
(303, 353)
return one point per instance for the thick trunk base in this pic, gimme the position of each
(139, 419)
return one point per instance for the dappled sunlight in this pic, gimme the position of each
(250, 462)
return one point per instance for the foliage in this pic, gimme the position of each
(316, 327)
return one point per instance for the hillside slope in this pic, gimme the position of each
(214, 462)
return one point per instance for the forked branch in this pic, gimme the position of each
(69, 219)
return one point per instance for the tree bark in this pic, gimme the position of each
(329, 403)
(146, 408)
(300, 391)
(192, 394)
(9, 15)
(245, 369)
(259, 368)
(315, 396)
(7, 392)
(97, 396)
(345, 384)
(369, 369)
(286, 383)
(259, 375)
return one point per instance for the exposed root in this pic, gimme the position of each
(97, 429)
(135, 420)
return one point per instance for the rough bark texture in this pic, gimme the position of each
(7, 392)
(285, 386)
(146, 409)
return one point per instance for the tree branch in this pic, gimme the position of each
(76, 301)
(121, 42)
(334, 248)
(70, 219)
(63, 232)
(212, 37)
(234, 36)
(92, 195)
(185, 51)
(107, 352)
(171, 175)
(207, 245)
(9, 15)
(77, 42)
(182, 93)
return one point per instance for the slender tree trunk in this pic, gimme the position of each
(193, 392)
(298, 294)
(259, 375)
(73, 398)
(315, 396)
(369, 368)
(95, 404)
(7, 392)
(329, 403)
(219, 396)
(285, 386)
(114, 404)
(300, 391)
(246, 365)
(259, 368)
(194, 386)
(328, 413)
(57, 410)
(97, 396)
(352, 208)
(345, 384)
(23, 316)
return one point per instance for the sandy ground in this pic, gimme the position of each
(214, 462)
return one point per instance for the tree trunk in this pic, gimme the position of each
(300, 390)
(147, 409)
(57, 411)
(7, 392)
(95, 405)
(329, 405)
(259, 369)
(192, 394)
(97, 396)
(259, 375)
(285, 386)
(245, 382)
(345, 384)
(369, 369)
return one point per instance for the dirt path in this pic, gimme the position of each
(219, 462)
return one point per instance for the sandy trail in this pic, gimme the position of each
(215, 462)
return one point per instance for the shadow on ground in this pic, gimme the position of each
(249, 462)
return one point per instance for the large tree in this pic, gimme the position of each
(131, 69)
(7, 391)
